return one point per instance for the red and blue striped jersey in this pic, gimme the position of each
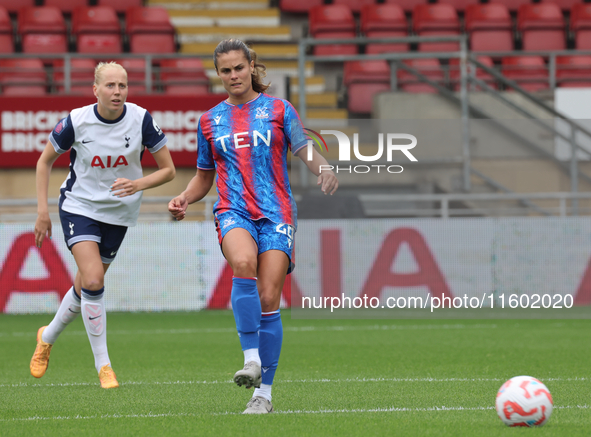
(247, 145)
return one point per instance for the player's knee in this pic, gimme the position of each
(270, 299)
(245, 267)
(93, 281)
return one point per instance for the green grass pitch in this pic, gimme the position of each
(336, 377)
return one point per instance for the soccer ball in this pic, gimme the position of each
(524, 401)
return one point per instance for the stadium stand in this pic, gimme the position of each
(22, 77)
(489, 27)
(381, 21)
(573, 71)
(82, 76)
(332, 21)
(407, 5)
(299, 6)
(354, 5)
(436, 20)
(459, 5)
(183, 76)
(565, 5)
(454, 74)
(363, 80)
(542, 27)
(136, 73)
(429, 67)
(96, 30)
(42, 30)
(121, 6)
(512, 5)
(529, 72)
(6, 39)
(66, 6)
(13, 6)
(580, 24)
(149, 30)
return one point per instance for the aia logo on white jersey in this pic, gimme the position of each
(262, 113)
(109, 161)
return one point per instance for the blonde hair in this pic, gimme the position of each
(260, 71)
(98, 71)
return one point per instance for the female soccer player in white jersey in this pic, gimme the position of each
(245, 139)
(99, 200)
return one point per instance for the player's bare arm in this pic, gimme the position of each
(166, 172)
(196, 190)
(326, 179)
(44, 165)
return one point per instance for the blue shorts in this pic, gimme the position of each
(79, 228)
(266, 234)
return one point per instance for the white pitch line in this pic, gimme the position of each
(289, 381)
(286, 329)
(231, 413)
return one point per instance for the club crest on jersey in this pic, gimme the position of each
(262, 113)
(60, 126)
(109, 161)
(127, 141)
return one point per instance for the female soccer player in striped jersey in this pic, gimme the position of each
(99, 200)
(245, 139)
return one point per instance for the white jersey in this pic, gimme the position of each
(101, 151)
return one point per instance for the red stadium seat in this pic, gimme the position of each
(542, 27)
(573, 71)
(6, 41)
(363, 81)
(42, 29)
(13, 6)
(384, 21)
(354, 5)
(455, 73)
(529, 72)
(66, 6)
(565, 5)
(81, 76)
(512, 5)
(459, 5)
(428, 67)
(298, 6)
(136, 73)
(436, 20)
(121, 6)
(580, 23)
(407, 5)
(150, 30)
(97, 30)
(332, 21)
(22, 77)
(489, 27)
(184, 76)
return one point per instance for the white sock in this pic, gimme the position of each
(66, 313)
(252, 355)
(264, 391)
(95, 322)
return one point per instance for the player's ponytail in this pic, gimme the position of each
(260, 71)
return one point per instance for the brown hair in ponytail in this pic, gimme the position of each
(260, 71)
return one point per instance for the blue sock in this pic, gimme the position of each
(246, 306)
(270, 344)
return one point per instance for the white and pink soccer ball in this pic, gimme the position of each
(524, 401)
